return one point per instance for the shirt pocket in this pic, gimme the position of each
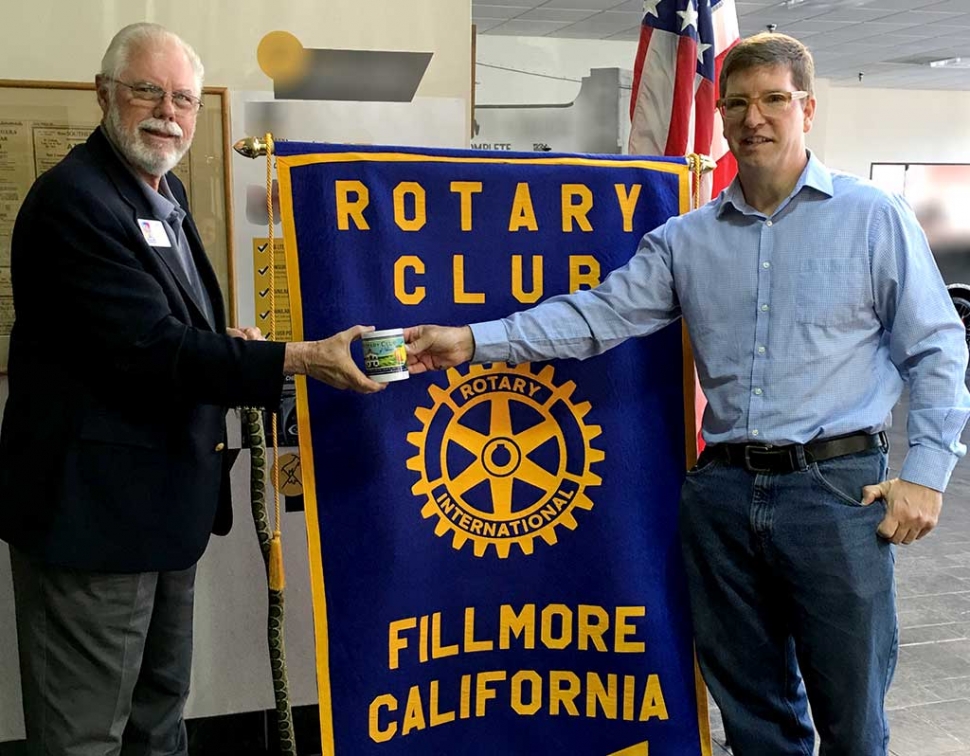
(832, 291)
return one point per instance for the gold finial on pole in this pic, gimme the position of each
(699, 165)
(254, 147)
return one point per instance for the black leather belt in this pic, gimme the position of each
(765, 458)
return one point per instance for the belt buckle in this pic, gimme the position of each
(883, 441)
(749, 465)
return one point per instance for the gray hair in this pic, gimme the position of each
(134, 36)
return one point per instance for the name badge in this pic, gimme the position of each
(154, 233)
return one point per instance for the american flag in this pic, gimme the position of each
(682, 47)
(675, 75)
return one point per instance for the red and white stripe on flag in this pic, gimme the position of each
(678, 62)
(675, 85)
(726, 34)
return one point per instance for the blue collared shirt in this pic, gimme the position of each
(172, 215)
(167, 209)
(805, 323)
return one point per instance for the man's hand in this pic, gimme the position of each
(248, 333)
(432, 347)
(329, 361)
(912, 510)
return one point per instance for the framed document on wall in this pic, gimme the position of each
(40, 121)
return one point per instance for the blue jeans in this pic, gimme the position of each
(793, 600)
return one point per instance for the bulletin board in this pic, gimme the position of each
(40, 121)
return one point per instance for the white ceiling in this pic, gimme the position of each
(890, 41)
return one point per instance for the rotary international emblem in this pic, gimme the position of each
(504, 457)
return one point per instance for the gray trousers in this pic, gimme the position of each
(105, 659)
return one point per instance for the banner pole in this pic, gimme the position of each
(270, 540)
(699, 165)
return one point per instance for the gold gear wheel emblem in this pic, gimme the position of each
(504, 457)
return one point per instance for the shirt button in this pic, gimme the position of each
(764, 308)
(758, 392)
(220, 446)
(754, 432)
(761, 350)
(768, 223)
(766, 265)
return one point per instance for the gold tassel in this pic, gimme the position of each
(276, 578)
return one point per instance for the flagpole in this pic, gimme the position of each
(698, 165)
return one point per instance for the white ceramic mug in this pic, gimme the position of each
(385, 356)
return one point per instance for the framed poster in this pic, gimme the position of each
(40, 121)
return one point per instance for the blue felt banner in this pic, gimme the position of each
(493, 548)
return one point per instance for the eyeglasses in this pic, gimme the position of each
(736, 107)
(149, 94)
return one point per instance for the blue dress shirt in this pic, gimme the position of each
(805, 323)
(167, 208)
(171, 215)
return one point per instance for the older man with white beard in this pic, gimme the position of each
(113, 472)
(150, 96)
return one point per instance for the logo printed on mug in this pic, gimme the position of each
(385, 356)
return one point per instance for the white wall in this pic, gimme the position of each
(820, 126)
(59, 40)
(888, 126)
(546, 70)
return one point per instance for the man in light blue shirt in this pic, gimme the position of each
(810, 297)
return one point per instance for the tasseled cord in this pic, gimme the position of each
(277, 578)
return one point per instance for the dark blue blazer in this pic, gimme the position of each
(112, 449)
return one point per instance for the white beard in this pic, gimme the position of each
(153, 161)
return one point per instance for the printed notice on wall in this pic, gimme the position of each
(262, 267)
(16, 176)
(27, 149)
(53, 141)
(6, 303)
